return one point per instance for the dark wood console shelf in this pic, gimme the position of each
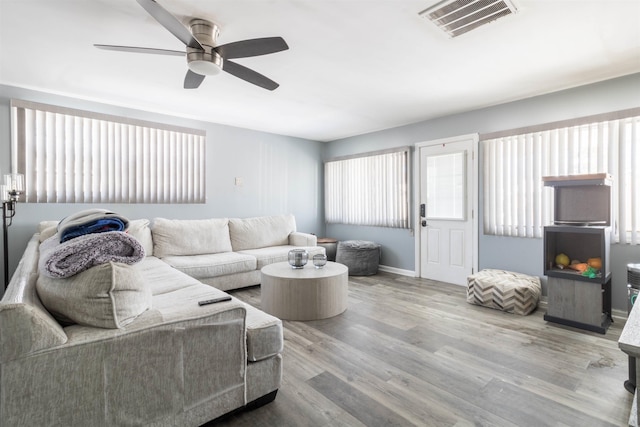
(580, 304)
(581, 230)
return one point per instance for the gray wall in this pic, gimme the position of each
(280, 174)
(283, 174)
(518, 254)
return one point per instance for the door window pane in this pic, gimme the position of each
(446, 186)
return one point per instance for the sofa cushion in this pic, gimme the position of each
(109, 295)
(261, 232)
(266, 256)
(162, 278)
(190, 237)
(212, 265)
(139, 228)
(264, 334)
(182, 304)
(303, 239)
(47, 229)
(43, 225)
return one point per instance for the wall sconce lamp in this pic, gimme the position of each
(10, 193)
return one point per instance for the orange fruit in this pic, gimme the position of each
(595, 263)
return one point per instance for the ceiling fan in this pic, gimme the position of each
(204, 58)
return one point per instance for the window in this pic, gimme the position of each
(446, 189)
(517, 204)
(73, 156)
(370, 189)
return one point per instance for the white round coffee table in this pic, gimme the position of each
(307, 293)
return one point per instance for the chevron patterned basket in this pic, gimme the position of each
(504, 290)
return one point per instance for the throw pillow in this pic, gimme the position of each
(139, 228)
(109, 296)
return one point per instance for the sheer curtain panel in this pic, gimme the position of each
(72, 156)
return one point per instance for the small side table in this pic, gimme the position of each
(330, 246)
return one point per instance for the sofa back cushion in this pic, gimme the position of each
(190, 237)
(261, 232)
(139, 228)
(108, 295)
(47, 229)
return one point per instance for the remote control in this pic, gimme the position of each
(214, 300)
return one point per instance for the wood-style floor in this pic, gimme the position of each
(413, 352)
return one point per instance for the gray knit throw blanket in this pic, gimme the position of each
(60, 260)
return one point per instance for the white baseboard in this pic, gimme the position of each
(399, 271)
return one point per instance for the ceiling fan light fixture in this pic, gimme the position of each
(204, 68)
(203, 63)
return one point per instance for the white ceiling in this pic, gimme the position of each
(354, 66)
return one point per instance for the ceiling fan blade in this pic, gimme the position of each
(252, 47)
(192, 80)
(134, 49)
(249, 75)
(170, 22)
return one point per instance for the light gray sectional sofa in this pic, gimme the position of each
(174, 364)
(228, 253)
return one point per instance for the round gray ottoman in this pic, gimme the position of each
(360, 256)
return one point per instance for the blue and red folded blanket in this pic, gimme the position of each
(97, 226)
(90, 221)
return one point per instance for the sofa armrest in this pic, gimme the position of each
(25, 330)
(297, 238)
(25, 325)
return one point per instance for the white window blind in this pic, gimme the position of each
(72, 156)
(368, 190)
(517, 204)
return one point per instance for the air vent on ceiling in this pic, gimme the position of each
(456, 17)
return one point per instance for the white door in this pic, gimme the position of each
(447, 204)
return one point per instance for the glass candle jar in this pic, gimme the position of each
(298, 258)
(319, 260)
